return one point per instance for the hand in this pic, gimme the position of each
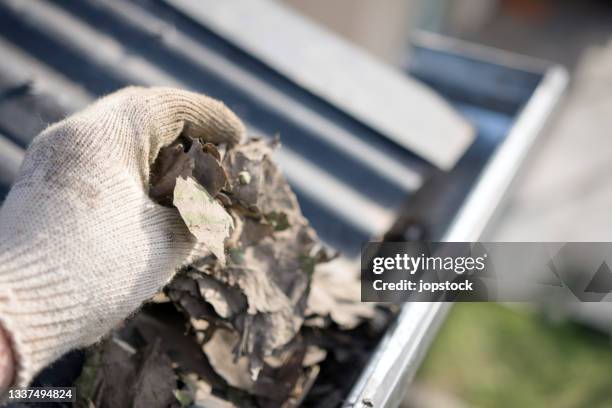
(81, 243)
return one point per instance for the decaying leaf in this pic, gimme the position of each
(219, 352)
(199, 393)
(206, 219)
(335, 293)
(127, 377)
(226, 301)
(245, 171)
(171, 163)
(207, 170)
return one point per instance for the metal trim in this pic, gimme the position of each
(400, 352)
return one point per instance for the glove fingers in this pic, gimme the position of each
(154, 117)
(199, 116)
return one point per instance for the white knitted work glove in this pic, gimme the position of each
(81, 243)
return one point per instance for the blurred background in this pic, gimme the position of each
(500, 355)
(58, 56)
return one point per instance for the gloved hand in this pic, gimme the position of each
(81, 243)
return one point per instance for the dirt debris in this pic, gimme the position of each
(254, 321)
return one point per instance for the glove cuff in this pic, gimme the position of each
(40, 311)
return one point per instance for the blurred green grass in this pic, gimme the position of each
(491, 355)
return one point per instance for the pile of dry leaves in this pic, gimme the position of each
(263, 318)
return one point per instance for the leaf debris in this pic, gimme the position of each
(262, 320)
